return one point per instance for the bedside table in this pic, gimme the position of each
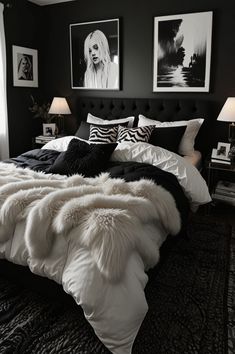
(221, 172)
(214, 169)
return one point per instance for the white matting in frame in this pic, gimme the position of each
(25, 66)
(182, 52)
(223, 149)
(49, 129)
(94, 55)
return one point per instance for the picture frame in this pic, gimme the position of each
(49, 129)
(182, 52)
(94, 48)
(25, 66)
(223, 150)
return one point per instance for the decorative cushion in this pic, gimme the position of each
(82, 158)
(102, 134)
(95, 120)
(134, 134)
(167, 137)
(60, 144)
(186, 146)
(83, 131)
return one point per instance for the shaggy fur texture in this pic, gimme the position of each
(112, 218)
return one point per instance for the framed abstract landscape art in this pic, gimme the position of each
(182, 52)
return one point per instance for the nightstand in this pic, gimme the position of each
(221, 182)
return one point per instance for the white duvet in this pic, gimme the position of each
(112, 296)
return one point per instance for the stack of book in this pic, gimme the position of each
(220, 158)
(225, 192)
(43, 139)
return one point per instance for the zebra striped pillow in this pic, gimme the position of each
(135, 135)
(102, 134)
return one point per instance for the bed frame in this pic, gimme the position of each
(159, 109)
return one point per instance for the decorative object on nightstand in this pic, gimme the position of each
(227, 114)
(59, 107)
(221, 154)
(43, 139)
(40, 110)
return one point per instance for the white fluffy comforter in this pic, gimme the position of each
(95, 236)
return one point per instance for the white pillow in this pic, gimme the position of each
(186, 146)
(60, 144)
(95, 120)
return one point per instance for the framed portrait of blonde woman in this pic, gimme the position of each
(25, 66)
(94, 54)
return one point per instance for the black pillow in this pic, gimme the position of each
(167, 137)
(82, 158)
(83, 131)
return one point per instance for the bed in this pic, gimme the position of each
(96, 228)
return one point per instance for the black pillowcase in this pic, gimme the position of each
(167, 137)
(83, 158)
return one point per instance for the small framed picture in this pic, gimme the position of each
(49, 129)
(25, 66)
(223, 149)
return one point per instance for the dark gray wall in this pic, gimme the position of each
(21, 22)
(49, 29)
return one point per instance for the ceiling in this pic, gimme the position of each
(47, 2)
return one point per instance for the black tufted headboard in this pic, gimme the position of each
(159, 109)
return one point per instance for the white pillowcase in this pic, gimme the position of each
(95, 120)
(186, 146)
(60, 144)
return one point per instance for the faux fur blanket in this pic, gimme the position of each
(112, 218)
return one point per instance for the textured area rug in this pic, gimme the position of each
(190, 295)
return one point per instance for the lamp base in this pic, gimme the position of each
(231, 133)
(60, 124)
(231, 153)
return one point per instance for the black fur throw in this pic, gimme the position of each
(82, 158)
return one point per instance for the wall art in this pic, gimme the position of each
(94, 53)
(25, 66)
(182, 52)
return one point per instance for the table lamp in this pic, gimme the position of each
(227, 114)
(59, 107)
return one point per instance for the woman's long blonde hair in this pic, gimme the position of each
(103, 45)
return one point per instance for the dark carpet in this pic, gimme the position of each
(190, 295)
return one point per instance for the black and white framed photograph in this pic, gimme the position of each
(223, 149)
(25, 66)
(94, 54)
(49, 129)
(182, 52)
